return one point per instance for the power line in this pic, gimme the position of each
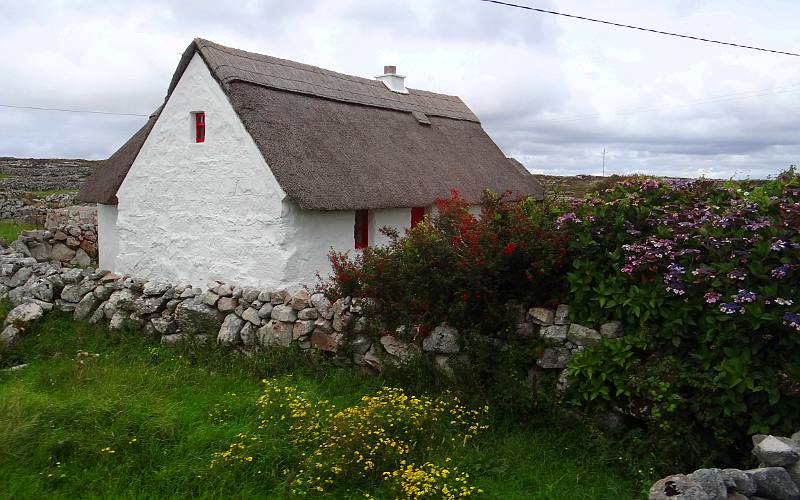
(715, 99)
(650, 30)
(70, 110)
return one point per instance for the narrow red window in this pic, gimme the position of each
(200, 127)
(361, 229)
(417, 214)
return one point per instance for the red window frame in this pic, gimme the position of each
(200, 127)
(417, 215)
(361, 229)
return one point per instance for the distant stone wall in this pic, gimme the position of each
(77, 215)
(44, 174)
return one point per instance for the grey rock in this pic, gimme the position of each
(40, 250)
(62, 253)
(773, 452)
(248, 334)
(556, 333)
(198, 318)
(150, 305)
(98, 315)
(564, 382)
(72, 276)
(229, 331)
(266, 311)
(42, 289)
(223, 290)
(190, 292)
(227, 304)
(20, 277)
(794, 472)
(340, 321)
(237, 292)
(302, 328)
(554, 357)
(582, 335)
(360, 344)
(250, 294)
(103, 292)
(329, 342)
(308, 313)
(275, 333)
(81, 258)
(18, 295)
(119, 320)
(284, 313)
(774, 483)
(562, 315)
(264, 296)
(9, 336)
(322, 305)
(677, 487)
(541, 315)
(24, 314)
(740, 481)
(210, 298)
(612, 329)
(712, 481)
(443, 340)
(324, 325)
(373, 357)
(164, 326)
(152, 288)
(71, 293)
(252, 316)
(46, 306)
(404, 351)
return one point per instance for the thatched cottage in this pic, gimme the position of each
(254, 167)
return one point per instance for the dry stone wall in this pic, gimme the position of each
(249, 317)
(71, 244)
(777, 476)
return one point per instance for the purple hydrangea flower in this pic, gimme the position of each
(783, 302)
(731, 308)
(737, 274)
(778, 245)
(712, 297)
(792, 319)
(781, 272)
(745, 297)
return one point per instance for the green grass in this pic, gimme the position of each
(155, 406)
(42, 194)
(10, 230)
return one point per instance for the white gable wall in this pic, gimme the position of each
(197, 212)
(107, 236)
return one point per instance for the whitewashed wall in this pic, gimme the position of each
(200, 211)
(107, 236)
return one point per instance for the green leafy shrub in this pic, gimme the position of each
(705, 278)
(381, 439)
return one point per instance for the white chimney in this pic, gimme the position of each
(392, 80)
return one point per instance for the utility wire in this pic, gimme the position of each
(70, 110)
(650, 30)
(725, 97)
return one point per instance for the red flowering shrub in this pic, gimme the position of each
(458, 267)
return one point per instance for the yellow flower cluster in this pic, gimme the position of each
(238, 452)
(379, 437)
(431, 481)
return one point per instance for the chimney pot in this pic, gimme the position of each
(389, 70)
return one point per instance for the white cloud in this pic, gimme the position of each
(551, 91)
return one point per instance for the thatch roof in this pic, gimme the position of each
(341, 142)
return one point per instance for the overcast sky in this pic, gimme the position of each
(552, 92)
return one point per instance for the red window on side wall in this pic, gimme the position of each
(200, 127)
(361, 229)
(417, 214)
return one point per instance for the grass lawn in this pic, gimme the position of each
(10, 230)
(142, 421)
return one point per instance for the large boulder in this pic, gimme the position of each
(275, 333)
(322, 305)
(554, 357)
(197, 318)
(284, 313)
(677, 487)
(86, 306)
(712, 481)
(775, 452)
(23, 314)
(582, 335)
(774, 483)
(443, 340)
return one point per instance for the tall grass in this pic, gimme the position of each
(141, 420)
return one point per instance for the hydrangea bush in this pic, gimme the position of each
(706, 279)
